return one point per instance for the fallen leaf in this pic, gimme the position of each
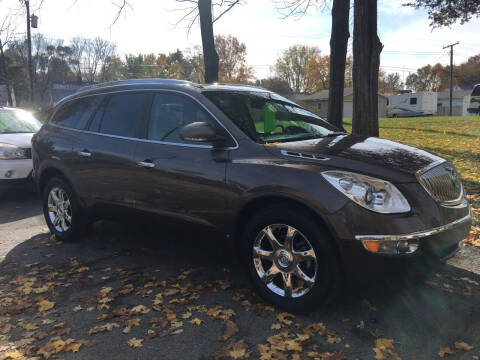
(460, 345)
(283, 318)
(77, 308)
(103, 328)
(445, 350)
(230, 329)
(196, 321)
(384, 349)
(45, 305)
(135, 343)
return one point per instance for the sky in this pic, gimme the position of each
(149, 27)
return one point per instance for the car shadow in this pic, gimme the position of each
(422, 310)
(19, 203)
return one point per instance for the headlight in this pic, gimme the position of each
(11, 152)
(371, 193)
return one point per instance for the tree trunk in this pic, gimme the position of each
(366, 62)
(338, 56)
(5, 76)
(210, 56)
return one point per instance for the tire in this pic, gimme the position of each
(323, 271)
(73, 223)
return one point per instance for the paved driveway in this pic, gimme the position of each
(154, 292)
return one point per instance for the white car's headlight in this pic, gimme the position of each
(11, 152)
(371, 193)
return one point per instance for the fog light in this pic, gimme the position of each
(8, 174)
(403, 247)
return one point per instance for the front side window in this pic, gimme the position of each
(170, 113)
(267, 117)
(73, 114)
(119, 115)
(18, 121)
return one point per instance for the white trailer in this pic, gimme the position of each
(412, 104)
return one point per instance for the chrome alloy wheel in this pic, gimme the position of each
(59, 209)
(285, 260)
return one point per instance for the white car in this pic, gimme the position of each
(16, 130)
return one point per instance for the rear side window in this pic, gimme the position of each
(119, 115)
(75, 113)
(476, 91)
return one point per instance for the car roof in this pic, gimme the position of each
(157, 83)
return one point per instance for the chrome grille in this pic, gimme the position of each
(442, 183)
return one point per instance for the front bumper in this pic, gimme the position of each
(15, 169)
(456, 231)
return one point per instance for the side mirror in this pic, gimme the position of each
(198, 132)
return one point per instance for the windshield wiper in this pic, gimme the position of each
(335, 133)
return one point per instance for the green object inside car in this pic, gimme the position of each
(269, 121)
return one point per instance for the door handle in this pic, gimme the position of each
(146, 164)
(84, 153)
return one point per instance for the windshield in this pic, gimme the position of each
(18, 121)
(267, 117)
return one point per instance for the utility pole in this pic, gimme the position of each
(451, 74)
(29, 44)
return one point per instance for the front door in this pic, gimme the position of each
(178, 178)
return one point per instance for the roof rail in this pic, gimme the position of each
(239, 85)
(139, 81)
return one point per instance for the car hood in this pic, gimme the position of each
(370, 155)
(21, 139)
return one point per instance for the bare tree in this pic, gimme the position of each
(97, 53)
(338, 47)
(366, 63)
(7, 28)
(78, 45)
(204, 11)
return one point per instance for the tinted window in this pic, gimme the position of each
(476, 91)
(73, 114)
(413, 101)
(121, 115)
(170, 113)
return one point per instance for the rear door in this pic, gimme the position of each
(103, 168)
(178, 178)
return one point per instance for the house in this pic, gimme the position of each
(318, 102)
(61, 90)
(460, 102)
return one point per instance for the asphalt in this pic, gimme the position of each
(420, 312)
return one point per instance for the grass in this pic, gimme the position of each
(456, 138)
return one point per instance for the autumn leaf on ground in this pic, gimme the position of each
(186, 315)
(74, 346)
(196, 321)
(444, 351)
(45, 305)
(230, 329)
(276, 326)
(77, 308)
(139, 309)
(52, 347)
(460, 345)
(384, 349)
(103, 328)
(135, 343)
(234, 350)
(283, 318)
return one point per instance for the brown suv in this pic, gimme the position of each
(301, 199)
